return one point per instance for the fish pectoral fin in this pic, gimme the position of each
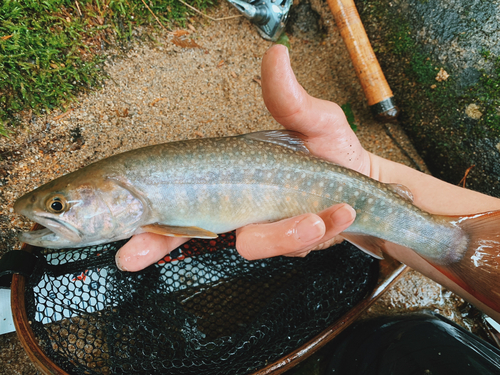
(174, 231)
(371, 245)
(401, 190)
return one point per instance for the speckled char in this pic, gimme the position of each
(215, 185)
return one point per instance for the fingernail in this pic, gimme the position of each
(343, 215)
(118, 262)
(137, 258)
(310, 229)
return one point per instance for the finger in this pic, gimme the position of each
(295, 236)
(328, 133)
(145, 249)
(259, 241)
(337, 219)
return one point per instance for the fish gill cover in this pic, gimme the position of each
(202, 309)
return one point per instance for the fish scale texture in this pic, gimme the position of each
(201, 310)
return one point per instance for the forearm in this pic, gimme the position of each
(431, 194)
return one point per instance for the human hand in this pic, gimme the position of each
(327, 135)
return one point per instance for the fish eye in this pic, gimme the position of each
(56, 204)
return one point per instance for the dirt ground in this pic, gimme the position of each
(159, 92)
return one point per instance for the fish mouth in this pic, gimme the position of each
(55, 234)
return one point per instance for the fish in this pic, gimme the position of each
(200, 188)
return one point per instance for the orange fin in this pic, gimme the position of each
(173, 231)
(371, 245)
(478, 269)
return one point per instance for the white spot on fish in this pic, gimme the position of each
(356, 193)
(340, 189)
(370, 200)
(321, 184)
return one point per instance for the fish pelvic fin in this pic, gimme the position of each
(371, 245)
(478, 270)
(174, 231)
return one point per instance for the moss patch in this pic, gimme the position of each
(51, 50)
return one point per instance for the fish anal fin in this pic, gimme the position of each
(371, 245)
(402, 191)
(286, 138)
(175, 231)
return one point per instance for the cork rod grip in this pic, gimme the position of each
(375, 86)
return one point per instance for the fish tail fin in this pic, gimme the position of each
(478, 270)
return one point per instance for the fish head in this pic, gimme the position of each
(79, 212)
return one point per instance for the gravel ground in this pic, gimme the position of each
(159, 92)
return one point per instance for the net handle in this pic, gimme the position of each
(23, 328)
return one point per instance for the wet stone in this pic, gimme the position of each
(441, 60)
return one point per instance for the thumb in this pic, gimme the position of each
(323, 123)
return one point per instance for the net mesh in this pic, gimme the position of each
(202, 309)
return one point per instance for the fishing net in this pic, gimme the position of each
(201, 310)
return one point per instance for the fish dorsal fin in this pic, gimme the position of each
(285, 138)
(402, 191)
(174, 231)
(371, 245)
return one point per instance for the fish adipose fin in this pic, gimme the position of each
(402, 190)
(285, 138)
(371, 245)
(173, 231)
(478, 270)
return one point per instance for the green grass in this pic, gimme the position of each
(349, 114)
(51, 50)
